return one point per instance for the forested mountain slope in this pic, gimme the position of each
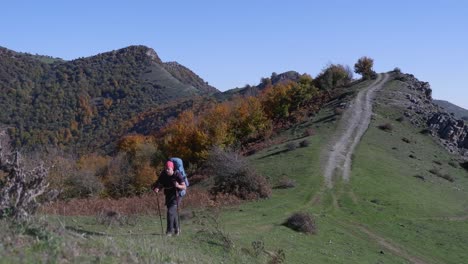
(85, 103)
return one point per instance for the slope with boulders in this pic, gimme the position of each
(421, 111)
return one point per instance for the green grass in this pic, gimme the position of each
(406, 209)
(383, 196)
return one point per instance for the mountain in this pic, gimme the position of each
(85, 104)
(458, 112)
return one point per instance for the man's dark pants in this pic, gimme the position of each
(172, 220)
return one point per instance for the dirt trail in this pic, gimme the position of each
(354, 124)
(352, 127)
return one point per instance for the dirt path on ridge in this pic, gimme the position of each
(353, 125)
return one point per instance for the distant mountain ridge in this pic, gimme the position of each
(185, 75)
(85, 103)
(459, 112)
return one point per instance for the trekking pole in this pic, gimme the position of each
(178, 216)
(159, 210)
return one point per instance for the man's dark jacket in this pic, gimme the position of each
(168, 183)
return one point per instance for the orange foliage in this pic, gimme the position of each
(183, 138)
(145, 175)
(276, 100)
(93, 162)
(131, 143)
(250, 120)
(216, 123)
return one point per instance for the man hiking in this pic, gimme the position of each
(171, 181)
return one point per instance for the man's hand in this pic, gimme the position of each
(156, 190)
(180, 186)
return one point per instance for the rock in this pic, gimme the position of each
(422, 112)
(454, 132)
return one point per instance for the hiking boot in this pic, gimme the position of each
(177, 232)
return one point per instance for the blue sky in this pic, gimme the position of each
(230, 44)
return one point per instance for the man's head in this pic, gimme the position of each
(170, 168)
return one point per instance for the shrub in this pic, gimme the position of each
(425, 131)
(453, 164)
(406, 140)
(304, 143)
(301, 222)
(386, 127)
(447, 177)
(82, 183)
(464, 165)
(338, 111)
(286, 183)
(233, 175)
(212, 230)
(309, 132)
(439, 174)
(334, 75)
(291, 146)
(400, 119)
(119, 177)
(108, 217)
(420, 177)
(24, 182)
(364, 67)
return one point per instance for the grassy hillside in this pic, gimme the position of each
(393, 210)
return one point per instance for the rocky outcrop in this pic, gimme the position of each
(423, 112)
(416, 84)
(419, 104)
(453, 132)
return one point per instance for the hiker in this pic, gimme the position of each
(172, 181)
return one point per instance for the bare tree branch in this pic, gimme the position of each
(22, 186)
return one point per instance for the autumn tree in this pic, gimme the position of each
(302, 92)
(216, 122)
(249, 119)
(144, 157)
(182, 137)
(364, 67)
(287, 99)
(276, 100)
(334, 75)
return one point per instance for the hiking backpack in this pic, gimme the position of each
(179, 166)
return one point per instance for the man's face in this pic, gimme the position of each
(169, 171)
